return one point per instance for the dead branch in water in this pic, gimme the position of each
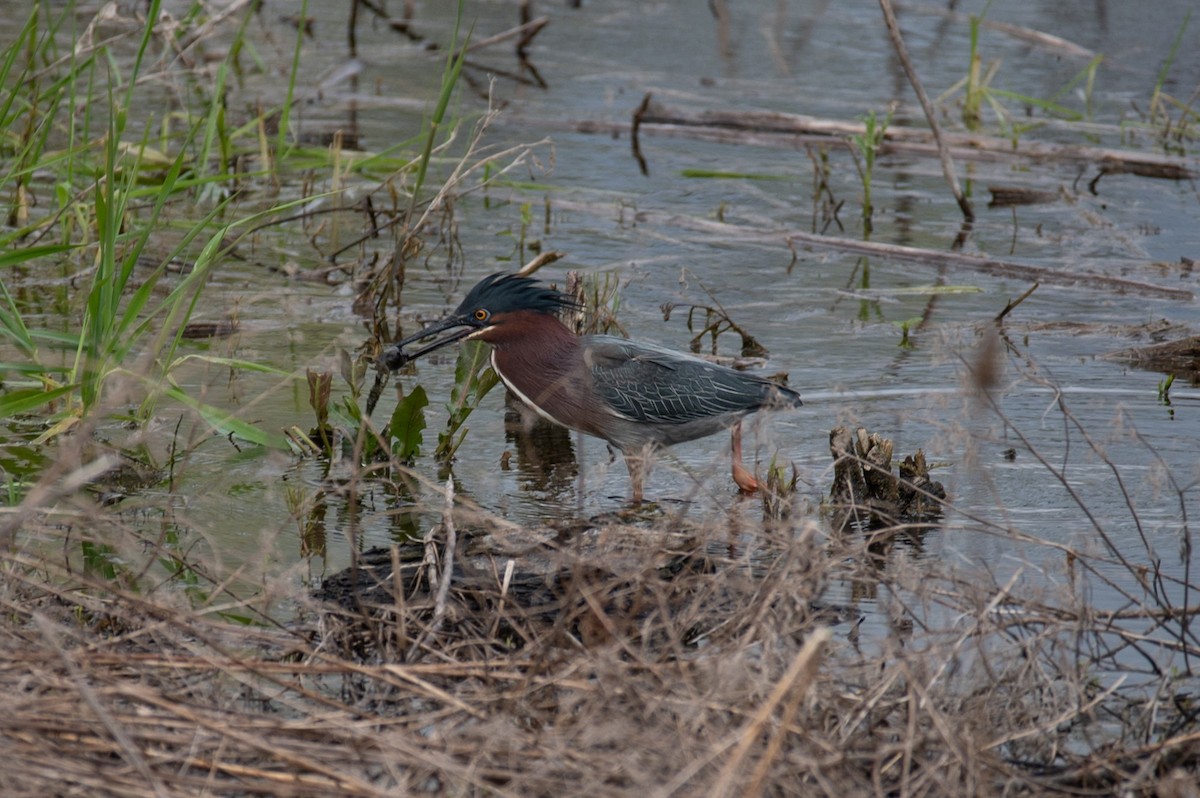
(769, 128)
(928, 257)
(992, 266)
(943, 150)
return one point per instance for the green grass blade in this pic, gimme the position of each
(231, 362)
(285, 113)
(12, 325)
(26, 400)
(152, 14)
(226, 423)
(18, 256)
(450, 75)
(1169, 61)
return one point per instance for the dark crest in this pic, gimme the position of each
(506, 293)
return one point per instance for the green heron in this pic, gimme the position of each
(636, 396)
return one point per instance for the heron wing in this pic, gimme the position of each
(654, 385)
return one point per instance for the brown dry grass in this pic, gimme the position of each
(619, 659)
(622, 658)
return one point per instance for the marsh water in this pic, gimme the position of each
(870, 341)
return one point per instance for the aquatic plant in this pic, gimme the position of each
(865, 148)
(112, 189)
(979, 90)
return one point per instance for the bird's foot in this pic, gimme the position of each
(744, 479)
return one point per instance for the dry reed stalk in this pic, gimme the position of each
(672, 661)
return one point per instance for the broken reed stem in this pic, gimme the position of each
(439, 584)
(401, 630)
(123, 740)
(509, 569)
(797, 680)
(1012, 303)
(439, 607)
(526, 31)
(889, 19)
(541, 260)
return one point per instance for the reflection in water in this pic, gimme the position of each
(313, 533)
(405, 509)
(545, 455)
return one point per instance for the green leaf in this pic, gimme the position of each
(231, 362)
(360, 427)
(353, 412)
(29, 253)
(407, 424)
(25, 400)
(472, 381)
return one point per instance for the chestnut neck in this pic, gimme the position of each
(530, 332)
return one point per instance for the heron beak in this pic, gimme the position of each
(394, 356)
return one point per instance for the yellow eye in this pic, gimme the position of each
(481, 315)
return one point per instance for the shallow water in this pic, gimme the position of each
(831, 321)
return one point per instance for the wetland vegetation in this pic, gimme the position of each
(240, 557)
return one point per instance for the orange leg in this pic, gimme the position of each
(638, 464)
(742, 478)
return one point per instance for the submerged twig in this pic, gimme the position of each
(889, 19)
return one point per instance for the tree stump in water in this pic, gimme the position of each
(865, 490)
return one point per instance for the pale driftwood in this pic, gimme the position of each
(768, 128)
(929, 257)
(992, 266)
(1001, 268)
